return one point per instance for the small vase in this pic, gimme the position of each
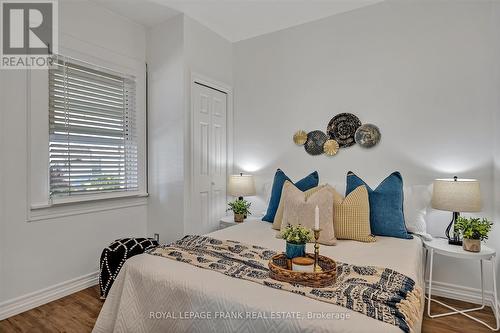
(239, 217)
(295, 250)
(472, 245)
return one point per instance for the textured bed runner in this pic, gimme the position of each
(379, 293)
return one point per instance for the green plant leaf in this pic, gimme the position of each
(240, 207)
(473, 228)
(296, 234)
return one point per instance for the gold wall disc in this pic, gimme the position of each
(300, 137)
(331, 147)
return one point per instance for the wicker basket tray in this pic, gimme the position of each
(279, 270)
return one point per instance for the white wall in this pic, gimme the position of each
(3, 96)
(166, 119)
(420, 71)
(495, 237)
(40, 254)
(207, 53)
(176, 48)
(211, 56)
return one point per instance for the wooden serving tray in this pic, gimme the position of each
(279, 270)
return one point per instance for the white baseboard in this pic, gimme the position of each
(32, 300)
(461, 293)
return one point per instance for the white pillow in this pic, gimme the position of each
(417, 199)
(267, 187)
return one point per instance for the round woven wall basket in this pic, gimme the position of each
(342, 128)
(367, 135)
(300, 137)
(331, 147)
(315, 142)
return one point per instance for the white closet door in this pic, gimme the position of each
(209, 157)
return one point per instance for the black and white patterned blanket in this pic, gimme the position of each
(379, 293)
(114, 256)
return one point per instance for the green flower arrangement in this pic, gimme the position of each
(473, 228)
(240, 207)
(296, 234)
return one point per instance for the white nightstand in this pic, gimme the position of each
(441, 246)
(228, 221)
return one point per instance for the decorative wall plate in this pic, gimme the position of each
(331, 147)
(367, 135)
(300, 137)
(314, 143)
(342, 128)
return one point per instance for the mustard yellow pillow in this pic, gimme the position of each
(351, 215)
(279, 212)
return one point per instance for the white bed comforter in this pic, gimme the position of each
(155, 294)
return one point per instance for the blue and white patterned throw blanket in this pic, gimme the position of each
(379, 293)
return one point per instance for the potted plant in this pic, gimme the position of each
(473, 230)
(240, 208)
(296, 238)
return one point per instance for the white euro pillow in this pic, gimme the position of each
(417, 199)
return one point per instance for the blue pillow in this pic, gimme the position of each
(304, 184)
(386, 205)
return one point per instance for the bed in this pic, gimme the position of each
(155, 294)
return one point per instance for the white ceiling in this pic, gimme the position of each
(234, 20)
(145, 12)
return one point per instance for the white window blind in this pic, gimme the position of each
(92, 132)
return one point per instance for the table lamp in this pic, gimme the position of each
(241, 185)
(456, 195)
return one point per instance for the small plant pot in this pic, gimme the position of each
(239, 217)
(295, 250)
(472, 245)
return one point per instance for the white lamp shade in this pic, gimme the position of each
(241, 185)
(461, 195)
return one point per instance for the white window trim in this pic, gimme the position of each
(70, 209)
(39, 205)
(88, 198)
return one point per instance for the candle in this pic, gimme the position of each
(316, 218)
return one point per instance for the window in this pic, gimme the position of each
(92, 130)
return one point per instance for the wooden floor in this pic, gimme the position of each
(77, 313)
